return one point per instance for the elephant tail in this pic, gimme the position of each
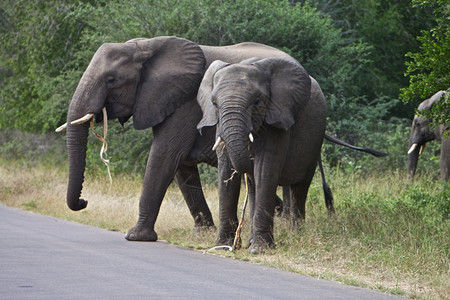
(329, 199)
(367, 150)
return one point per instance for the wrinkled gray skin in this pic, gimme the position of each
(422, 134)
(155, 81)
(272, 99)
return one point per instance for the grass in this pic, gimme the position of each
(388, 234)
(382, 237)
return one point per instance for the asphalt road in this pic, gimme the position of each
(47, 258)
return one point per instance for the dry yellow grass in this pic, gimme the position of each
(42, 189)
(114, 207)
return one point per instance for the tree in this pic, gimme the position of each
(429, 70)
(39, 43)
(390, 28)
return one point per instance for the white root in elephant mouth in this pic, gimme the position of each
(103, 155)
(231, 177)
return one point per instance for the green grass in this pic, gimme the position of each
(388, 233)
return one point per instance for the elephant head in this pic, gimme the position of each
(144, 78)
(421, 133)
(242, 98)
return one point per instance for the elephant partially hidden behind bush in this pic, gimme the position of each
(421, 134)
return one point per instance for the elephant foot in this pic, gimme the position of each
(140, 234)
(201, 229)
(203, 223)
(225, 239)
(261, 243)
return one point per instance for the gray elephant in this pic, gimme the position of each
(422, 134)
(271, 117)
(155, 81)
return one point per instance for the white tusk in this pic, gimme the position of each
(82, 120)
(413, 147)
(421, 149)
(61, 128)
(219, 139)
(250, 137)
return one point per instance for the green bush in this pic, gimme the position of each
(47, 45)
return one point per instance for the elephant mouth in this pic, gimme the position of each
(241, 160)
(99, 118)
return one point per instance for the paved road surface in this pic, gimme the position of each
(46, 258)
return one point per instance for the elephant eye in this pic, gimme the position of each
(214, 101)
(110, 80)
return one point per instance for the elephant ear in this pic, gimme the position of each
(172, 69)
(204, 96)
(428, 104)
(290, 89)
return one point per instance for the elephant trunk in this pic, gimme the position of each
(413, 158)
(235, 134)
(76, 140)
(77, 135)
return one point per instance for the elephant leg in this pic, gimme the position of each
(229, 188)
(188, 181)
(299, 192)
(269, 159)
(286, 202)
(251, 204)
(262, 229)
(158, 175)
(279, 204)
(171, 146)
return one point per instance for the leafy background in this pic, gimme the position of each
(355, 49)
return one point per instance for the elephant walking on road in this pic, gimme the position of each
(421, 134)
(271, 125)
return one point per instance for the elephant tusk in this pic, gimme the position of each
(422, 147)
(218, 141)
(413, 147)
(250, 137)
(82, 120)
(61, 128)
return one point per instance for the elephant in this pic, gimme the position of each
(270, 119)
(155, 81)
(421, 134)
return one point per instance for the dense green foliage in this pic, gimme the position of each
(356, 51)
(429, 70)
